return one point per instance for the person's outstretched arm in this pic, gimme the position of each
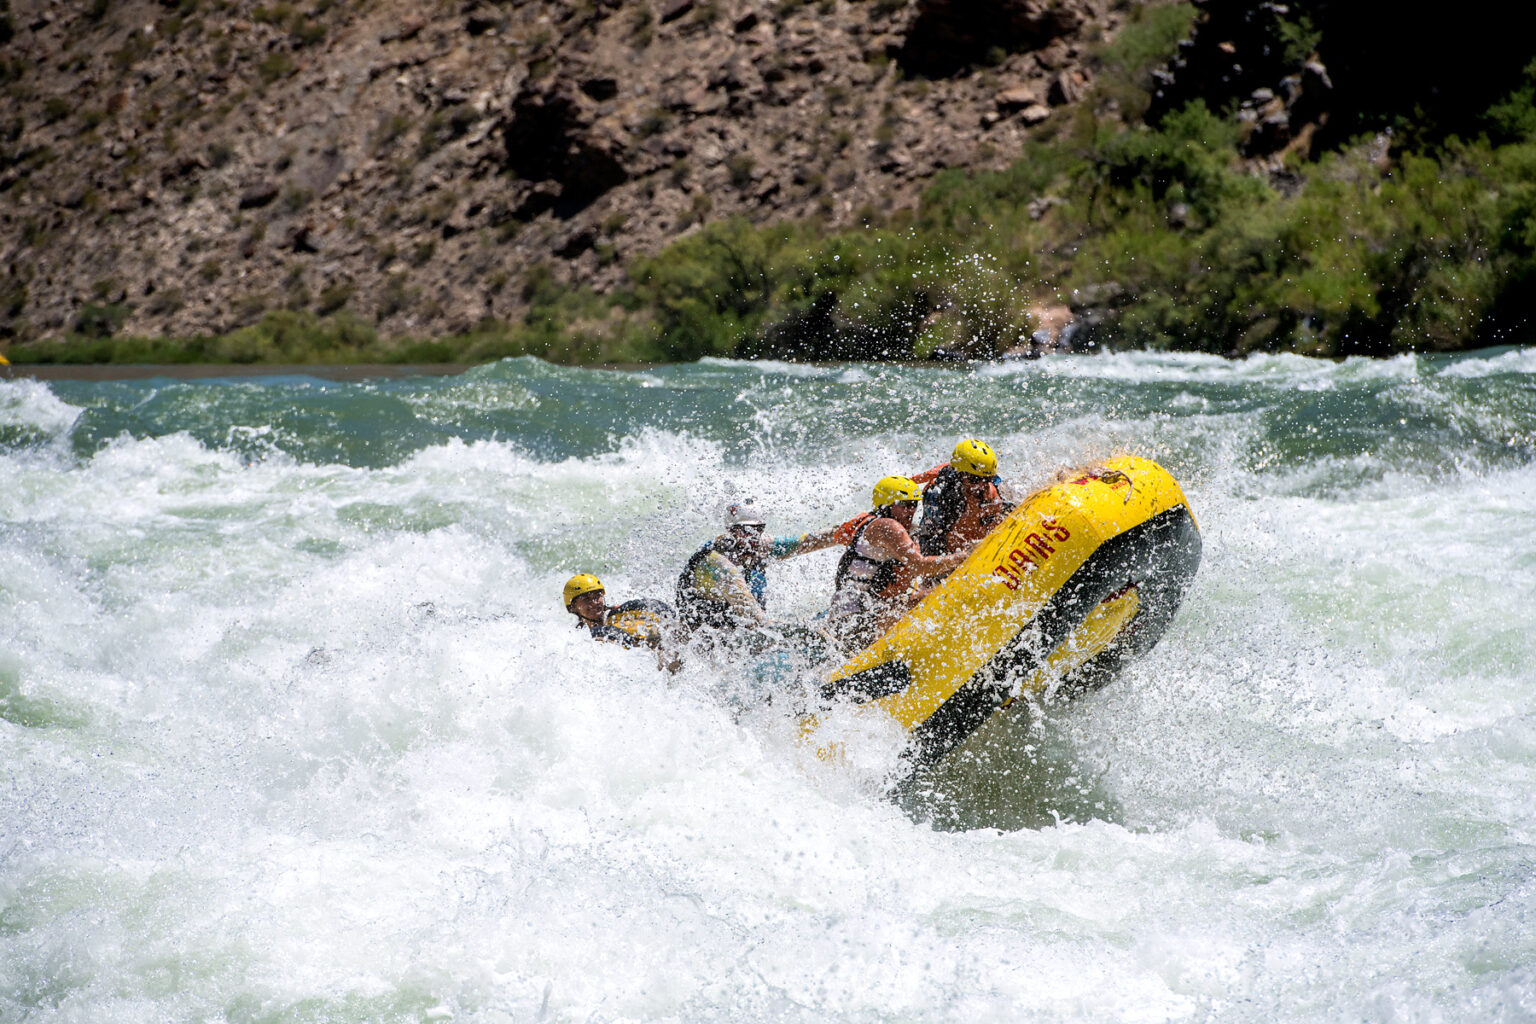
(729, 584)
(894, 542)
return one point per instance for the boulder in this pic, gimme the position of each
(1016, 98)
(408, 28)
(1034, 113)
(1038, 208)
(256, 196)
(1068, 86)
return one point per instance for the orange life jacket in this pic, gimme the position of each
(951, 517)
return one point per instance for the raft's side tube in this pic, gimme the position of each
(1159, 556)
(952, 661)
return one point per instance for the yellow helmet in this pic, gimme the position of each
(892, 489)
(974, 457)
(581, 583)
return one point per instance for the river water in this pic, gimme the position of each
(294, 728)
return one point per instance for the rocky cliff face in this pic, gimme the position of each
(180, 167)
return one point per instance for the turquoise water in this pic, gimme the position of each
(293, 728)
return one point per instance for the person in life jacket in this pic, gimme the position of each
(960, 500)
(725, 583)
(639, 623)
(873, 585)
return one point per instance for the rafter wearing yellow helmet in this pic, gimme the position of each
(893, 489)
(960, 501)
(581, 583)
(975, 458)
(638, 623)
(873, 584)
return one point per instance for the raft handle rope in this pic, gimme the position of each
(1113, 476)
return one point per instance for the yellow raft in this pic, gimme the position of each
(1080, 578)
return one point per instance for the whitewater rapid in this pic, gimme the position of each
(294, 728)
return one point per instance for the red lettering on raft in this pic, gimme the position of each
(1039, 546)
(1032, 551)
(1006, 574)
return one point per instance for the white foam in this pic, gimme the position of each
(1476, 365)
(770, 367)
(30, 403)
(297, 740)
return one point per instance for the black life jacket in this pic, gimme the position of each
(882, 576)
(636, 623)
(944, 506)
(698, 610)
(943, 502)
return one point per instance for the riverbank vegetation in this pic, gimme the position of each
(1157, 236)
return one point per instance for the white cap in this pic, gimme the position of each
(743, 513)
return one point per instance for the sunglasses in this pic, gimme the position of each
(752, 529)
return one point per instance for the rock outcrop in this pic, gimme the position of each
(1311, 75)
(179, 167)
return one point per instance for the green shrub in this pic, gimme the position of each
(444, 126)
(165, 302)
(298, 336)
(100, 320)
(1149, 39)
(274, 66)
(334, 296)
(1190, 158)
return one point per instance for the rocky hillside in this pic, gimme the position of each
(175, 168)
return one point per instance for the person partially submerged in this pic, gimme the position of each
(642, 622)
(874, 582)
(724, 585)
